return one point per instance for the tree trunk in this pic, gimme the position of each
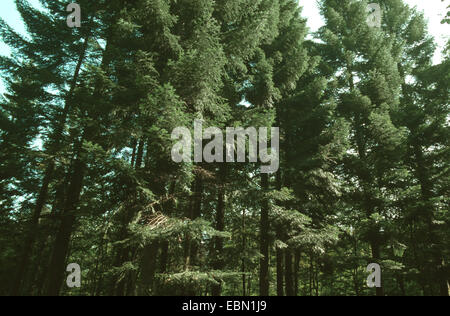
(288, 274)
(220, 226)
(165, 244)
(296, 268)
(280, 268)
(196, 213)
(279, 252)
(62, 240)
(264, 239)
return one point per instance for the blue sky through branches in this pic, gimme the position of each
(434, 11)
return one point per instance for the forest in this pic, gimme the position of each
(87, 178)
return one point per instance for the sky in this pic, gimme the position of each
(434, 11)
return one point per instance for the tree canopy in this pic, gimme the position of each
(86, 174)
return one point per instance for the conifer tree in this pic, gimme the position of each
(86, 173)
(57, 54)
(367, 87)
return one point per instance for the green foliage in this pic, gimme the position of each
(86, 173)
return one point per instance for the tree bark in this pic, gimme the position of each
(62, 240)
(196, 213)
(296, 268)
(279, 252)
(289, 273)
(264, 239)
(220, 226)
(280, 268)
(165, 243)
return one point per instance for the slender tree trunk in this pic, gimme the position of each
(165, 243)
(280, 268)
(139, 155)
(310, 274)
(62, 240)
(401, 283)
(296, 270)
(220, 226)
(289, 273)
(57, 263)
(355, 268)
(264, 240)
(187, 238)
(196, 213)
(316, 277)
(133, 154)
(193, 212)
(279, 252)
